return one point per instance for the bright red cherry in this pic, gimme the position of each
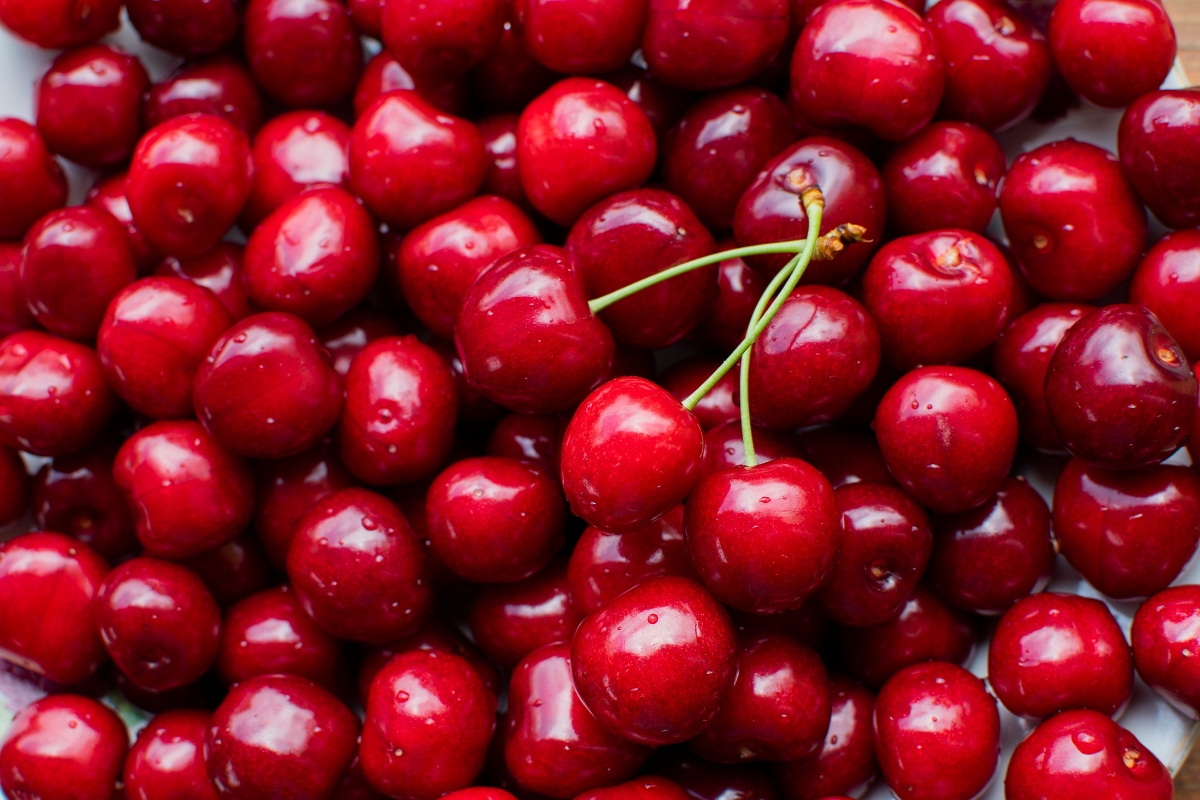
(60, 24)
(1156, 141)
(432, 634)
(14, 314)
(510, 621)
(845, 456)
(738, 290)
(723, 447)
(446, 38)
(291, 153)
(662, 105)
(715, 408)
(645, 788)
(535, 438)
(76, 495)
(220, 85)
(32, 183)
(846, 762)
(1165, 282)
(500, 143)
(303, 53)
(188, 28)
(383, 74)
(220, 271)
(347, 336)
(167, 760)
(582, 38)
(1165, 634)
(235, 570)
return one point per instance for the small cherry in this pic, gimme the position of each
(662, 105)
(1164, 637)
(738, 290)
(1160, 129)
(500, 143)
(32, 183)
(167, 760)
(645, 788)
(76, 495)
(383, 74)
(442, 39)
(508, 78)
(14, 314)
(725, 448)
(1166, 279)
(347, 336)
(509, 621)
(189, 28)
(219, 270)
(582, 38)
(303, 54)
(432, 634)
(846, 762)
(234, 570)
(718, 406)
(14, 487)
(220, 85)
(292, 152)
(536, 438)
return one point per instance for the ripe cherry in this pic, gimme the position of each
(190, 28)
(645, 788)
(715, 408)
(845, 456)
(347, 336)
(234, 570)
(508, 78)
(738, 290)
(76, 495)
(724, 448)
(1164, 636)
(60, 24)
(14, 487)
(1160, 129)
(220, 85)
(432, 634)
(292, 152)
(510, 621)
(220, 271)
(167, 760)
(535, 438)
(442, 39)
(32, 183)
(303, 54)
(14, 314)
(1167, 278)
(500, 143)
(704, 780)
(582, 38)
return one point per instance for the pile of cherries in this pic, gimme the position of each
(370, 448)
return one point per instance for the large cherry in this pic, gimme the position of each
(167, 760)
(1165, 636)
(304, 53)
(32, 183)
(432, 634)
(584, 38)
(509, 621)
(442, 39)
(292, 152)
(1157, 145)
(1166, 282)
(220, 85)
(846, 761)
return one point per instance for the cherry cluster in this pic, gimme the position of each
(596, 399)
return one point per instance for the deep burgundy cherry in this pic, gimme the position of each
(1020, 361)
(630, 454)
(738, 290)
(31, 181)
(88, 105)
(63, 746)
(1165, 636)
(432, 634)
(303, 53)
(944, 177)
(75, 261)
(292, 152)
(152, 340)
(219, 270)
(167, 760)
(579, 142)
(14, 314)
(770, 210)
(715, 408)
(644, 788)
(846, 761)
(268, 633)
(508, 78)
(234, 570)
(279, 735)
(500, 143)
(267, 388)
(552, 743)
(582, 38)
(47, 621)
(937, 732)
(441, 39)
(671, 641)
(349, 334)
(383, 73)
(1165, 282)
(53, 397)
(76, 495)
(1073, 220)
(723, 447)
(14, 487)
(948, 435)
(997, 61)
(189, 28)
(188, 181)
(1156, 142)
(510, 621)
(1129, 532)
(536, 438)
(845, 456)
(660, 227)
(1081, 754)
(405, 756)
(220, 85)
(704, 780)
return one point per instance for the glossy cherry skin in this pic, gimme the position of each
(439, 260)
(188, 181)
(723, 447)
(267, 388)
(644, 788)
(53, 398)
(432, 634)
(770, 210)
(500, 143)
(269, 633)
(662, 104)
(846, 761)
(14, 314)
(167, 760)
(383, 74)
(187, 493)
(1082, 754)
(347, 336)
(235, 570)
(442, 39)
(582, 38)
(1164, 635)
(220, 271)
(152, 340)
(279, 736)
(1129, 532)
(220, 85)
(845, 456)
(47, 621)
(510, 621)
(190, 28)
(1167, 278)
(996, 60)
(738, 290)
(303, 54)
(32, 183)
(705, 46)
(75, 261)
(410, 162)
(291, 153)
(536, 438)
(526, 336)
(287, 488)
(660, 227)
(1072, 198)
(63, 746)
(937, 732)
(715, 408)
(1159, 129)
(88, 105)
(405, 757)
(76, 495)
(579, 142)
(630, 454)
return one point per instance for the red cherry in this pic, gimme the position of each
(661, 104)
(443, 39)
(63, 746)
(1050, 204)
(188, 181)
(235, 570)
(579, 142)
(402, 754)
(715, 408)
(14, 314)
(303, 53)
(1165, 281)
(738, 290)
(76, 495)
(291, 153)
(349, 334)
(474, 410)
(500, 143)
(32, 183)
(368, 18)
(432, 634)
(14, 487)
(508, 78)
(383, 74)
(220, 271)
(59, 24)
(220, 85)
(279, 735)
(723, 447)
(645, 788)
(846, 762)
(535, 438)
(845, 457)
(510, 621)
(704, 780)
(1164, 636)
(1156, 142)
(167, 760)
(287, 489)
(582, 38)
(188, 28)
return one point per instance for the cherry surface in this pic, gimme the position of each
(347, 336)
(189, 28)
(1164, 634)
(499, 133)
(383, 73)
(704, 780)
(303, 53)
(644, 788)
(76, 495)
(738, 290)
(234, 570)
(715, 408)
(220, 85)
(1159, 129)
(510, 621)
(582, 38)
(846, 761)
(31, 182)
(508, 78)
(432, 634)
(14, 487)
(219, 270)
(14, 314)
(292, 152)
(167, 760)
(662, 105)
(845, 456)
(1165, 280)
(442, 39)
(535, 438)
(724, 448)
(287, 488)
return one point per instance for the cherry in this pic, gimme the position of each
(660, 227)
(582, 38)
(704, 780)
(510, 621)
(76, 495)
(1129, 532)
(708, 45)
(1082, 754)
(75, 261)
(220, 271)
(234, 570)
(508, 78)
(188, 181)
(350, 333)
(662, 104)
(1164, 282)
(432, 634)
(383, 74)
(60, 24)
(303, 54)
(279, 735)
(997, 62)
(937, 732)
(88, 105)
(770, 210)
(291, 153)
(724, 448)
(14, 314)
(579, 142)
(63, 746)
(443, 39)
(368, 17)
(1164, 636)
(220, 85)
(738, 290)
(715, 408)
(14, 487)
(845, 457)
(188, 28)
(53, 398)
(269, 633)
(944, 177)
(32, 183)
(167, 760)
(644, 788)
(846, 761)
(535, 438)
(1160, 128)
(630, 454)
(500, 143)
(526, 336)
(672, 642)
(474, 410)
(1051, 204)
(402, 754)
(108, 193)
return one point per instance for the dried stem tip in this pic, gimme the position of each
(811, 196)
(836, 240)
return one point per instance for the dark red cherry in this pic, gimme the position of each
(669, 639)
(937, 732)
(474, 409)
(220, 271)
(446, 38)
(303, 53)
(704, 780)
(845, 457)
(75, 261)
(723, 447)
(32, 183)
(1073, 220)
(367, 16)
(167, 760)
(738, 290)
(1156, 142)
(1129, 532)
(269, 633)
(536, 438)
(403, 755)
(291, 153)
(14, 487)
(846, 761)
(188, 28)
(662, 104)
(1081, 754)
(770, 210)
(220, 85)
(383, 74)
(508, 78)
(630, 454)
(235, 570)
(510, 621)
(997, 61)
(76, 495)
(53, 398)
(645, 788)
(582, 38)
(188, 181)
(88, 105)
(1166, 281)
(500, 143)
(279, 735)
(715, 408)
(63, 746)
(432, 634)
(1164, 637)
(349, 334)
(579, 142)
(526, 336)
(154, 336)
(14, 314)
(660, 227)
